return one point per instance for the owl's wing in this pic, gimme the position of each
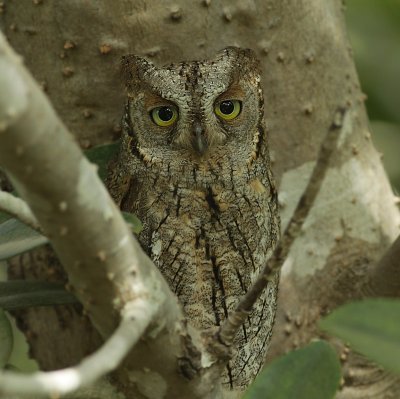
(117, 181)
(122, 186)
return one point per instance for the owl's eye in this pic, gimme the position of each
(164, 116)
(228, 109)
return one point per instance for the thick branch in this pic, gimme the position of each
(235, 320)
(136, 319)
(62, 188)
(106, 267)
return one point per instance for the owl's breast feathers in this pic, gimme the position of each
(210, 245)
(194, 167)
(210, 242)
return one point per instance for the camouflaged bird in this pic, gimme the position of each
(194, 167)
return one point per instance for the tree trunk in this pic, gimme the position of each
(74, 48)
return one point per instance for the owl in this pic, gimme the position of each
(194, 167)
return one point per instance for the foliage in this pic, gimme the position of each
(374, 28)
(101, 156)
(6, 339)
(19, 294)
(16, 238)
(371, 327)
(312, 372)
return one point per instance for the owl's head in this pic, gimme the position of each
(195, 111)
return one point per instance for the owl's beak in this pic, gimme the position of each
(199, 141)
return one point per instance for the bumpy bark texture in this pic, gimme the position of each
(74, 48)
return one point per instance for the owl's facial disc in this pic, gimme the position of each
(194, 111)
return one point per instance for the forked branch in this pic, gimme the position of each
(136, 319)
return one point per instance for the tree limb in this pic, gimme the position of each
(235, 320)
(135, 320)
(106, 267)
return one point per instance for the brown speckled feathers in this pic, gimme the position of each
(203, 188)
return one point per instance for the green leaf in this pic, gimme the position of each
(371, 327)
(134, 223)
(16, 238)
(101, 155)
(312, 372)
(18, 294)
(374, 29)
(4, 216)
(6, 339)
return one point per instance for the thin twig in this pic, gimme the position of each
(18, 208)
(235, 319)
(106, 359)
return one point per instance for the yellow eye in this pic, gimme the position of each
(164, 116)
(228, 109)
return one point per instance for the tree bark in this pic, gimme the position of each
(308, 73)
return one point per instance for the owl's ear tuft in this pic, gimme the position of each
(243, 60)
(238, 52)
(133, 69)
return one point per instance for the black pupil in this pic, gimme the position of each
(165, 114)
(227, 107)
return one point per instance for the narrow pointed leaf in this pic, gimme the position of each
(371, 327)
(6, 339)
(16, 238)
(18, 294)
(312, 372)
(4, 216)
(134, 223)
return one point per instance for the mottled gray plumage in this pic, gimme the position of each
(204, 191)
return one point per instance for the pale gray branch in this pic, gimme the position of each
(18, 208)
(106, 267)
(136, 319)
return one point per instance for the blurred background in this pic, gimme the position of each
(374, 31)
